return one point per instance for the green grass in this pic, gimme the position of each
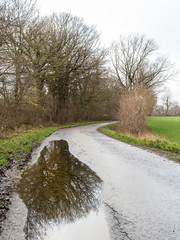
(168, 127)
(18, 146)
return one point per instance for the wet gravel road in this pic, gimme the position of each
(141, 191)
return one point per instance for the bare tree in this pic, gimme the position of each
(139, 70)
(168, 104)
(51, 68)
(16, 20)
(76, 65)
(135, 62)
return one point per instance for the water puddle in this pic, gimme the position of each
(61, 195)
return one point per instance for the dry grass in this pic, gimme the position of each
(149, 136)
(146, 135)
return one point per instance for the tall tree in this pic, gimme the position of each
(139, 70)
(76, 56)
(135, 62)
(51, 68)
(17, 18)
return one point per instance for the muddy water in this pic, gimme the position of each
(61, 195)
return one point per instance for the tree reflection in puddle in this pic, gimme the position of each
(57, 189)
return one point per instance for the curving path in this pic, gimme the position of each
(141, 191)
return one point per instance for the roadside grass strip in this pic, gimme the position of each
(156, 144)
(17, 147)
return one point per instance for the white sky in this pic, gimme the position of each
(157, 19)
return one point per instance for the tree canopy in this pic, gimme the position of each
(135, 61)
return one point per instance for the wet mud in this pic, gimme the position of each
(9, 173)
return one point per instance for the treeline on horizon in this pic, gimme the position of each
(52, 69)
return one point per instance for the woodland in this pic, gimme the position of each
(53, 69)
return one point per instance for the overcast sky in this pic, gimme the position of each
(157, 19)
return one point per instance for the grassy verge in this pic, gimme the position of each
(171, 149)
(16, 147)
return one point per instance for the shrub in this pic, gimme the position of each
(135, 105)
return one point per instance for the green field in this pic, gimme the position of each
(168, 127)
